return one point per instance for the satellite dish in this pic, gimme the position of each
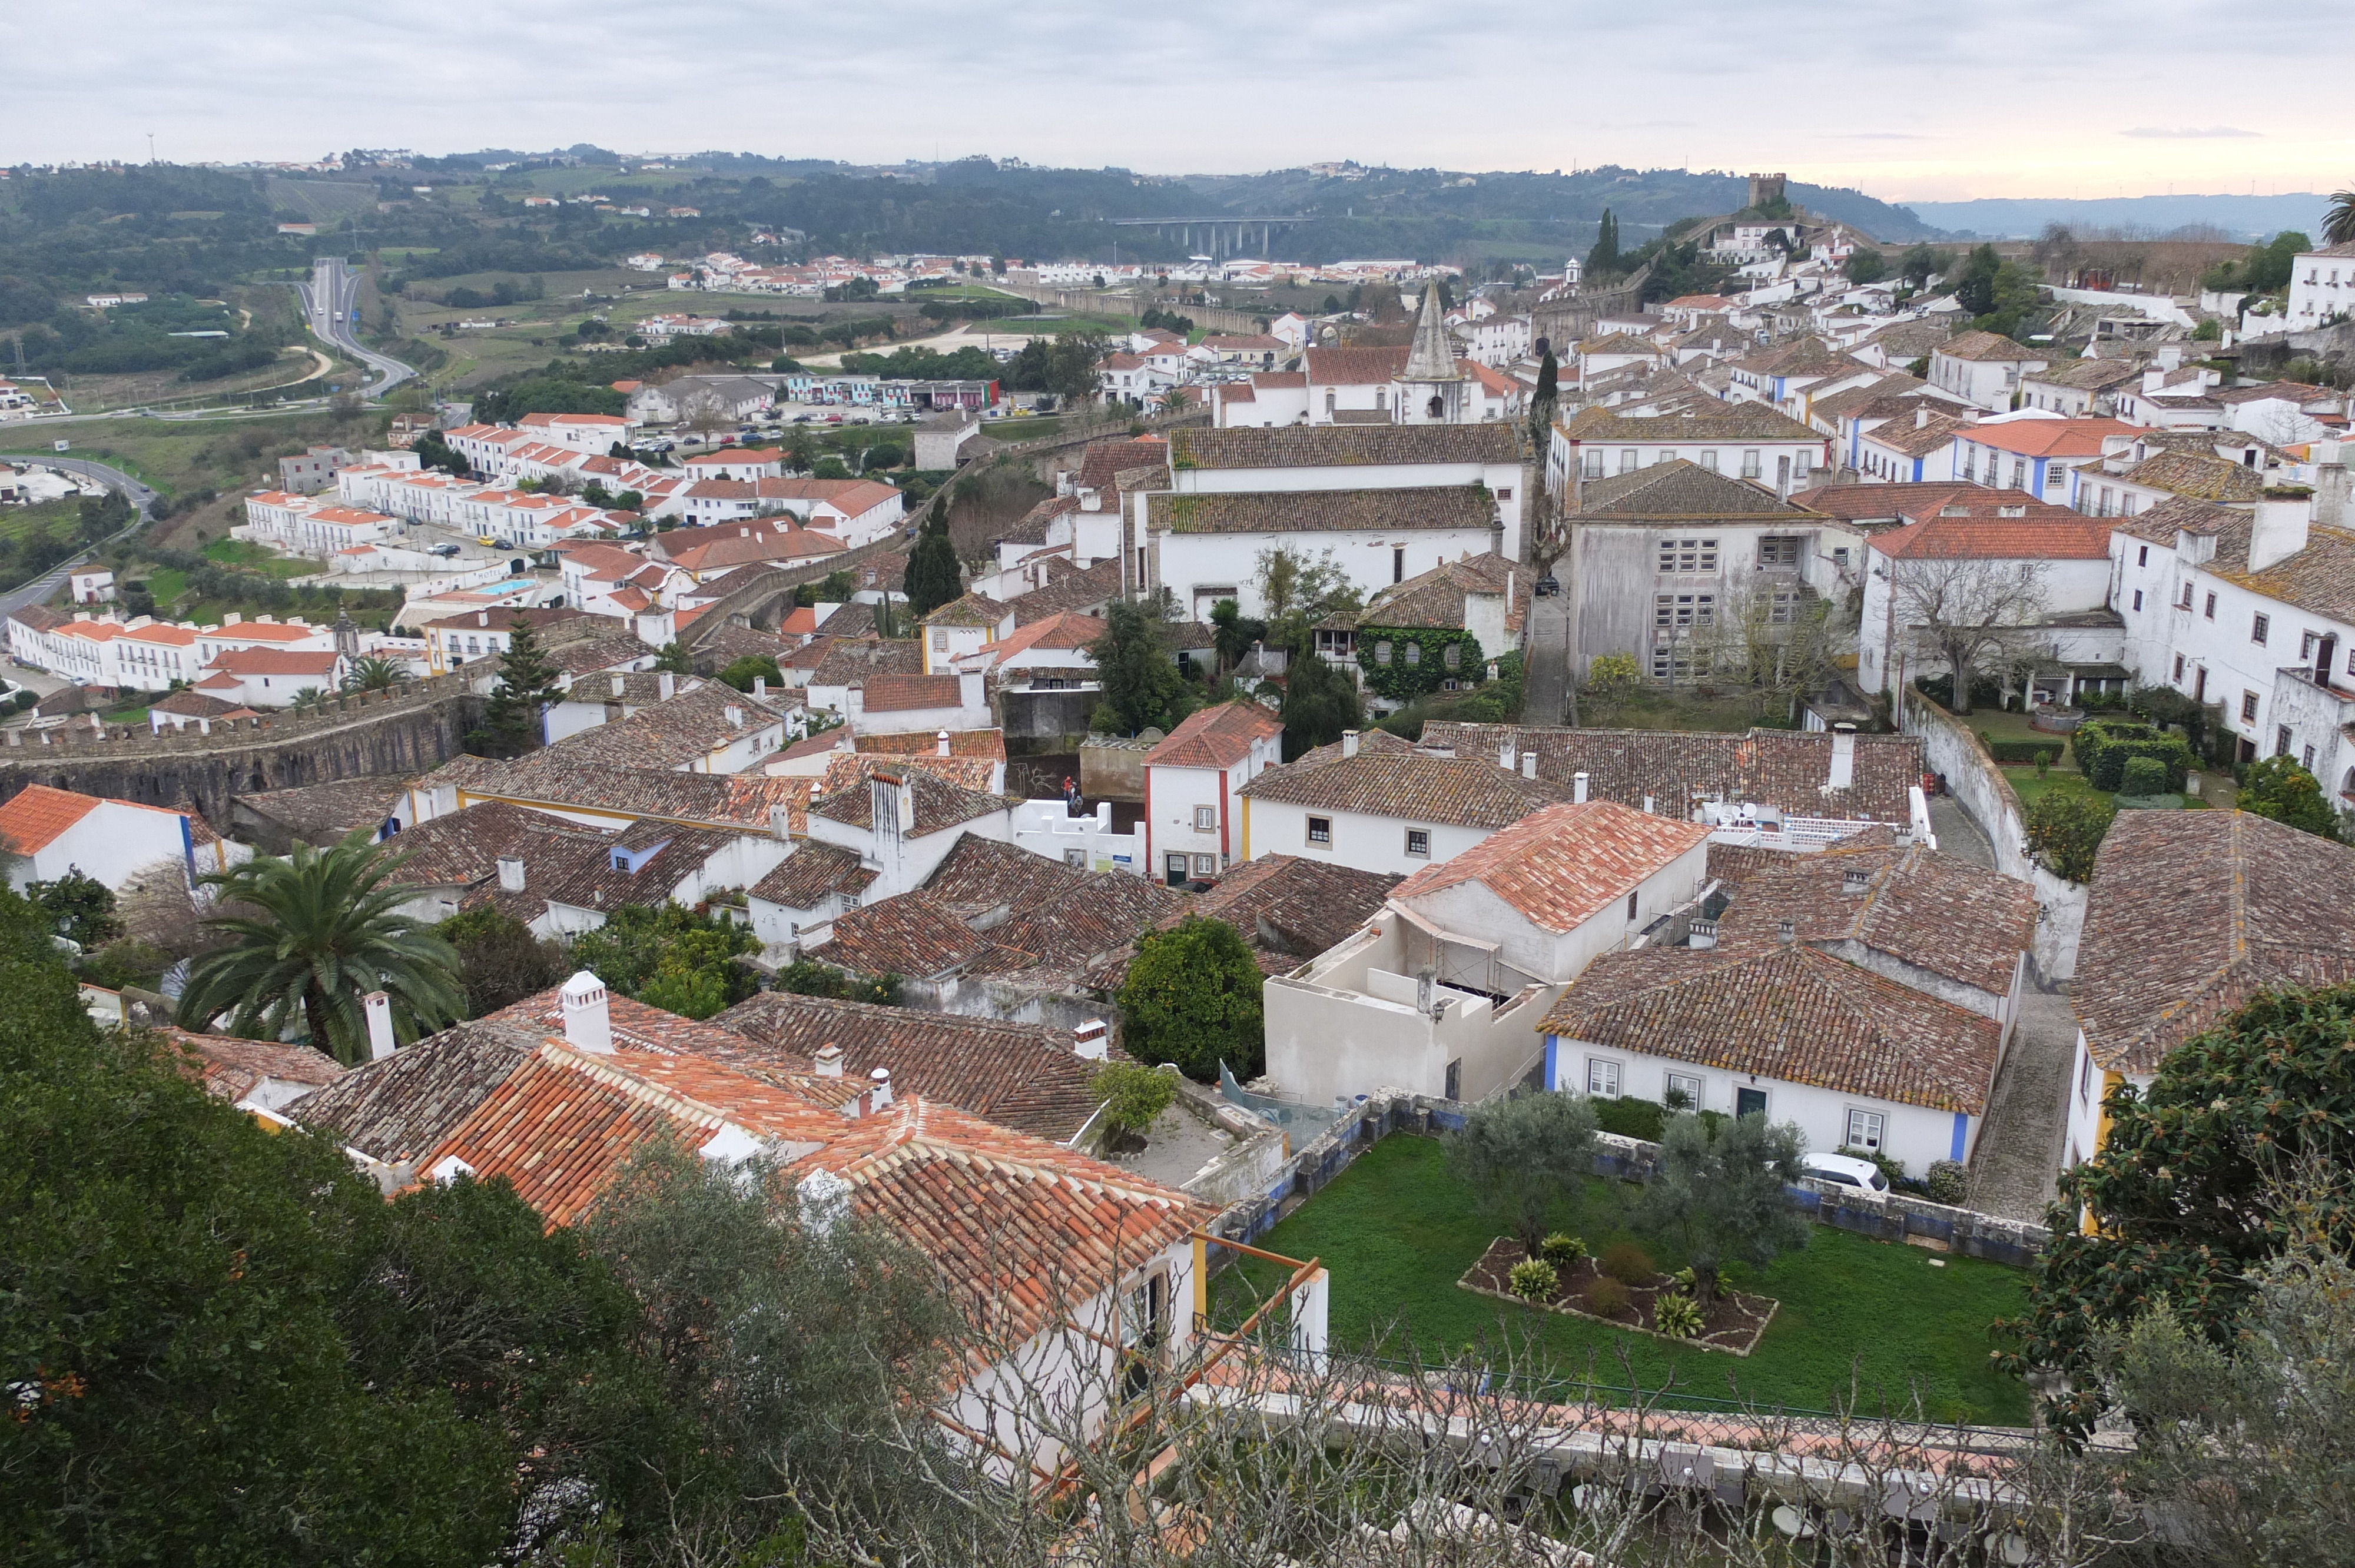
(1792, 1522)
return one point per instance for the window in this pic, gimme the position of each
(1688, 554)
(1665, 454)
(2138, 599)
(1631, 906)
(1602, 1077)
(1782, 607)
(1708, 459)
(1206, 865)
(1840, 557)
(1683, 609)
(1750, 463)
(2259, 626)
(1454, 1090)
(2187, 596)
(1594, 462)
(1206, 819)
(2018, 473)
(1414, 654)
(1397, 564)
(1626, 460)
(2307, 762)
(1864, 1130)
(1778, 550)
(2142, 556)
(1749, 1102)
(2207, 611)
(1320, 830)
(1452, 656)
(2281, 740)
(2248, 707)
(2179, 666)
(2305, 646)
(1672, 663)
(2084, 1077)
(1505, 493)
(1688, 1087)
(1382, 652)
(1418, 841)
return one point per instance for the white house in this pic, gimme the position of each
(2031, 451)
(2322, 288)
(1194, 780)
(46, 833)
(900, 820)
(1442, 991)
(1984, 369)
(1384, 806)
(1748, 441)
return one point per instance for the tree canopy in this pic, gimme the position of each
(511, 720)
(1142, 687)
(2278, 787)
(1526, 1159)
(681, 960)
(1192, 997)
(1719, 1191)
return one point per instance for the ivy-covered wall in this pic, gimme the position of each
(1401, 663)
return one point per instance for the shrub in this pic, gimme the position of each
(1133, 1095)
(1606, 1299)
(1949, 1183)
(2102, 747)
(2043, 763)
(1682, 1279)
(2065, 828)
(1678, 1317)
(1628, 1264)
(1533, 1279)
(2142, 776)
(1561, 1250)
(1629, 1118)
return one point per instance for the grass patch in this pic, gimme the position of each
(126, 715)
(246, 556)
(58, 519)
(167, 584)
(1860, 1319)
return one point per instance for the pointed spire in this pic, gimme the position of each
(1433, 359)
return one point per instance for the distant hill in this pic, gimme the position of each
(2242, 217)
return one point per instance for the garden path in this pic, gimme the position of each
(2019, 1152)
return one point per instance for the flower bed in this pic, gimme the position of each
(1732, 1323)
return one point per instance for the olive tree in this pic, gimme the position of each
(1720, 1193)
(1525, 1158)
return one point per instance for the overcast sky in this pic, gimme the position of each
(2063, 98)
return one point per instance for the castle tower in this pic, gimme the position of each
(1430, 390)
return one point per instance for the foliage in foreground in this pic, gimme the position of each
(670, 956)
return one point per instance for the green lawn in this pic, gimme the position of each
(126, 715)
(252, 558)
(1397, 1231)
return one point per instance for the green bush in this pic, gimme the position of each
(1401, 663)
(1628, 1264)
(2065, 828)
(1682, 1279)
(1630, 1117)
(1606, 1299)
(1678, 1317)
(2142, 776)
(1949, 1183)
(2102, 747)
(1533, 1279)
(1133, 1095)
(2016, 752)
(1561, 1250)
(2279, 788)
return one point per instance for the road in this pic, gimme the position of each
(1545, 661)
(38, 590)
(330, 300)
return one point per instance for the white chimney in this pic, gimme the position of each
(735, 717)
(1348, 743)
(1578, 791)
(1843, 756)
(781, 823)
(1089, 1043)
(941, 743)
(1647, 805)
(761, 687)
(619, 681)
(378, 1007)
(588, 1020)
(829, 1059)
(1505, 754)
(880, 1097)
(824, 1200)
(511, 874)
(1921, 415)
(1528, 764)
(667, 683)
(2277, 531)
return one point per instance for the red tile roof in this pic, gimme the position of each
(34, 817)
(1217, 736)
(909, 694)
(1998, 538)
(1563, 864)
(2049, 438)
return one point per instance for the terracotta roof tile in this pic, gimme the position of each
(34, 817)
(1321, 446)
(1416, 786)
(1217, 736)
(1936, 912)
(1563, 864)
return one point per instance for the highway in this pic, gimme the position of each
(38, 590)
(329, 302)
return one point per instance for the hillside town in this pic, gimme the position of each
(1666, 826)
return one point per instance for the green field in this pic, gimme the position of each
(1862, 1322)
(253, 557)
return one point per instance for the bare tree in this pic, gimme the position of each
(1970, 610)
(1777, 641)
(701, 412)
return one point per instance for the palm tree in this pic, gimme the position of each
(373, 672)
(308, 699)
(310, 935)
(2338, 222)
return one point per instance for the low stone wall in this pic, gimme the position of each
(1890, 1218)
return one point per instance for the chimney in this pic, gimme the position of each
(941, 743)
(1921, 415)
(735, 717)
(1578, 788)
(781, 823)
(1089, 1043)
(1843, 756)
(511, 874)
(667, 684)
(2277, 531)
(880, 1097)
(1855, 880)
(588, 1021)
(824, 1198)
(1785, 931)
(1647, 805)
(761, 687)
(1529, 765)
(378, 1007)
(1348, 743)
(1505, 754)
(619, 683)
(828, 1060)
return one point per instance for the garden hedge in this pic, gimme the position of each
(2103, 745)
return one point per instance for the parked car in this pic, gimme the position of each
(443, 550)
(1844, 1171)
(1547, 586)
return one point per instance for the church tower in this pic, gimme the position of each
(1431, 389)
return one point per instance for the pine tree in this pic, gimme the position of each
(1604, 257)
(933, 577)
(527, 684)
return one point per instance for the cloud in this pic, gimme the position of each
(1882, 136)
(2188, 132)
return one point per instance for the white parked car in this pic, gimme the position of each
(1844, 1171)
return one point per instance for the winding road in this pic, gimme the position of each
(330, 301)
(141, 499)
